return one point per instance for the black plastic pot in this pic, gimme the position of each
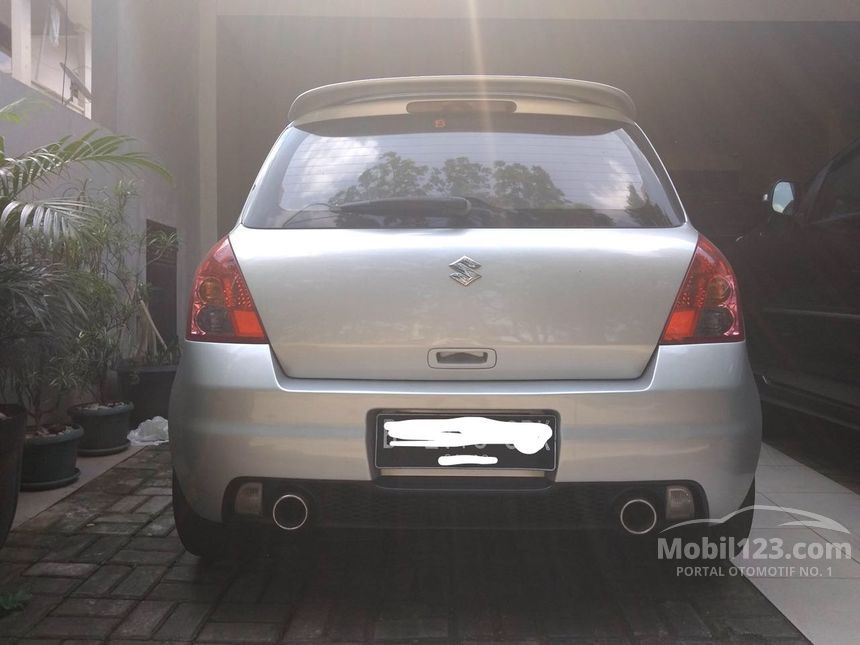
(105, 428)
(50, 461)
(148, 388)
(11, 445)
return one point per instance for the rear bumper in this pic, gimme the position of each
(456, 503)
(693, 416)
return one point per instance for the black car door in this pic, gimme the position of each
(777, 281)
(800, 281)
(831, 230)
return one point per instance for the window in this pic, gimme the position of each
(5, 37)
(161, 275)
(516, 170)
(840, 192)
(48, 44)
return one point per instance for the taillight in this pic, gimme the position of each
(707, 308)
(222, 309)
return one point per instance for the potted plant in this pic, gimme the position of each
(109, 250)
(105, 421)
(20, 311)
(146, 380)
(105, 426)
(38, 313)
(50, 456)
(146, 374)
(39, 370)
(12, 419)
(45, 290)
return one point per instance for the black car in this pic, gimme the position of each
(799, 276)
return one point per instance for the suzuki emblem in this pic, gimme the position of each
(464, 270)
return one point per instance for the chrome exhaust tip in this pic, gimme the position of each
(290, 512)
(638, 516)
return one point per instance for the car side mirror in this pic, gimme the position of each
(781, 197)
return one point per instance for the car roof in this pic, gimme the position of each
(485, 87)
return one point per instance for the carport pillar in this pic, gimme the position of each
(207, 130)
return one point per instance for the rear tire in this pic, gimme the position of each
(738, 527)
(201, 537)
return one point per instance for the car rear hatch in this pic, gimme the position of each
(377, 304)
(470, 240)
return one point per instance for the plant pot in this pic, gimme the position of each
(105, 428)
(49, 461)
(148, 388)
(11, 445)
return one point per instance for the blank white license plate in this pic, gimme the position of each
(506, 440)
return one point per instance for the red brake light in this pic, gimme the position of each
(222, 309)
(707, 308)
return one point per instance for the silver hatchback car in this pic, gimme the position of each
(462, 301)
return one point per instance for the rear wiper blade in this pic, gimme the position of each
(481, 204)
(452, 205)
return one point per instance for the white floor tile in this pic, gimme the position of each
(794, 479)
(841, 538)
(769, 519)
(787, 553)
(770, 456)
(827, 608)
(842, 507)
(824, 609)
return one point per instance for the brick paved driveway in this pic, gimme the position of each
(104, 565)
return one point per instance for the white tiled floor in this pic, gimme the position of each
(846, 505)
(770, 456)
(794, 479)
(769, 519)
(825, 608)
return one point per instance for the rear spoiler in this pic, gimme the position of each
(425, 87)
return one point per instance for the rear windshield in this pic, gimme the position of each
(515, 171)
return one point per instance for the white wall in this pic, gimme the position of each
(144, 82)
(44, 124)
(145, 85)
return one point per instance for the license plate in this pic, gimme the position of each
(466, 440)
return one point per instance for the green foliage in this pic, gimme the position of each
(34, 298)
(43, 304)
(67, 288)
(18, 111)
(460, 176)
(13, 600)
(391, 176)
(166, 354)
(62, 217)
(507, 185)
(112, 254)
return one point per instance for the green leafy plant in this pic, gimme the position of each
(42, 305)
(34, 298)
(59, 217)
(53, 291)
(117, 314)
